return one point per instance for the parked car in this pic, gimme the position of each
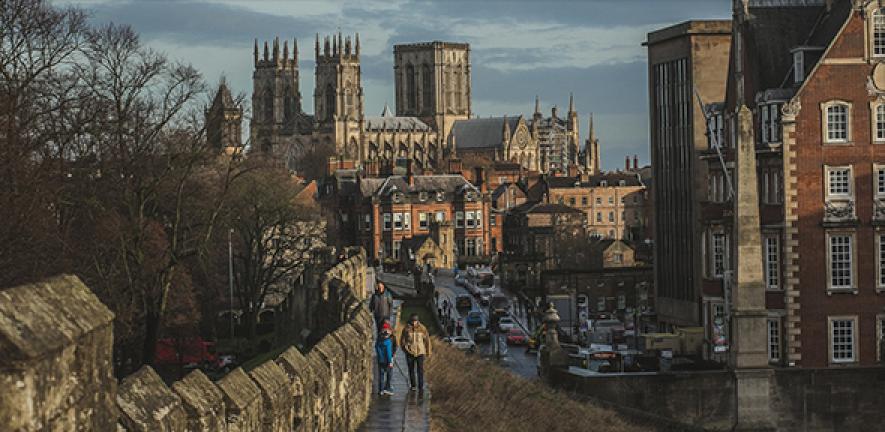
(463, 343)
(505, 323)
(482, 334)
(474, 319)
(463, 301)
(516, 337)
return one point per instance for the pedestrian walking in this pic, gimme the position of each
(385, 349)
(381, 304)
(450, 328)
(459, 327)
(415, 341)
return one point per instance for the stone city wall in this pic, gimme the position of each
(56, 343)
(801, 399)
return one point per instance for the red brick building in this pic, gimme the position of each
(813, 75)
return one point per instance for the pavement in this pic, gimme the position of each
(405, 411)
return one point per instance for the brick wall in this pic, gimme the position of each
(56, 339)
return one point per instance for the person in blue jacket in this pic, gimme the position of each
(385, 348)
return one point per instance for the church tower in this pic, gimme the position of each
(338, 95)
(591, 150)
(432, 82)
(276, 100)
(574, 137)
(224, 120)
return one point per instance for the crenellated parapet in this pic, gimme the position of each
(56, 342)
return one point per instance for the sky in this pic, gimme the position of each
(519, 48)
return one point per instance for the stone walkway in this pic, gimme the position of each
(405, 411)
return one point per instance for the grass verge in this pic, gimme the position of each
(471, 394)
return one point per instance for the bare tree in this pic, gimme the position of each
(272, 237)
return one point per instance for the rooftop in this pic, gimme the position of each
(693, 27)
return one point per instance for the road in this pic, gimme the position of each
(515, 358)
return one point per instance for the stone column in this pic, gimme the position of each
(749, 356)
(552, 354)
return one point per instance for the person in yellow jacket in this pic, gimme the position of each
(415, 341)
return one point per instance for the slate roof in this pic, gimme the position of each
(482, 132)
(771, 33)
(502, 188)
(387, 121)
(449, 183)
(611, 179)
(540, 207)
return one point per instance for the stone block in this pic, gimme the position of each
(297, 369)
(56, 339)
(242, 400)
(277, 400)
(146, 404)
(203, 402)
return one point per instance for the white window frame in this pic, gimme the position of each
(832, 323)
(388, 224)
(829, 170)
(423, 221)
(880, 332)
(440, 216)
(852, 264)
(879, 181)
(771, 261)
(877, 122)
(407, 221)
(397, 221)
(774, 339)
(880, 261)
(459, 219)
(877, 19)
(825, 121)
(721, 255)
(469, 221)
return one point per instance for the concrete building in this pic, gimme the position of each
(682, 59)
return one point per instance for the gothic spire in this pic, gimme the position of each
(266, 52)
(537, 105)
(357, 45)
(340, 44)
(571, 102)
(276, 49)
(286, 51)
(295, 50)
(256, 52)
(317, 47)
(386, 112)
(334, 46)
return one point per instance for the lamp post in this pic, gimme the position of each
(230, 277)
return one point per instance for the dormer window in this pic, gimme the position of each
(770, 122)
(422, 196)
(440, 196)
(798, 66)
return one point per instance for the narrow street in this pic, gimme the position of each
(513, 358)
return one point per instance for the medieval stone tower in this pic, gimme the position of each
(338, 95)
(432, 82)
(224, 120)
(276, 100)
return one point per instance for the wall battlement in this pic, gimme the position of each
(56, 343)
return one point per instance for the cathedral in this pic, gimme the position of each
(432, 122)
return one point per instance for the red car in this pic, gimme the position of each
(516, 337)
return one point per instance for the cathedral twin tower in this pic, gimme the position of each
(432, 92)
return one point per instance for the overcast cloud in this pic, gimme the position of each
(519, 48)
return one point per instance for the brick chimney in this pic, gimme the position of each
(627, 164)
(635, 163)
(454, 166)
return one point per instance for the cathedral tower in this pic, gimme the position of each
(338, 95)
(276, 100)
(432, 81)
(224, 120)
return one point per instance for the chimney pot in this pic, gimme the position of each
(627, 164)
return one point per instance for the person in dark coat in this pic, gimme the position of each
(381, 304)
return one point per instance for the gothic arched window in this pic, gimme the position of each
(411, 96)
(426, 89)
(330, 102)
(459, 89)
(287, 104)
(268, 106)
